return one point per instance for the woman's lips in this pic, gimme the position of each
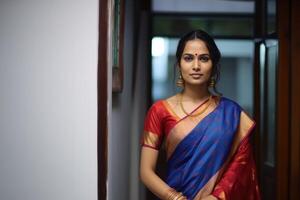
(196, 76)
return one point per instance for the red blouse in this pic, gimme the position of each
(158, 122)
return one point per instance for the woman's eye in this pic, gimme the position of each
(188, 58)
(204, 58)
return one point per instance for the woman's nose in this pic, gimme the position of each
(196, 65)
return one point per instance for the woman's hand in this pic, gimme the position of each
(182, 198)
(210, 197)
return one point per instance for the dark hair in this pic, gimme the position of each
(214, 52)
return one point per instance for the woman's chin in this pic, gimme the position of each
(196, 83)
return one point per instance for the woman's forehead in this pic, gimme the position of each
(195, 46)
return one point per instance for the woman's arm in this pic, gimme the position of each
(210, 197)
(149, 177)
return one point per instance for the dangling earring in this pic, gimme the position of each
(212, 85)
(212, 82)
(180, 82)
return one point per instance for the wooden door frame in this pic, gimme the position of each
(102, 82)
(283, 100)
(294, 181)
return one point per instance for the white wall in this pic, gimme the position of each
(48, 99)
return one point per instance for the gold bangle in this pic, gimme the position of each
(169, 194)
(173, 194)
(178, 196)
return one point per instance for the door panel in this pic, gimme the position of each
(268, 79)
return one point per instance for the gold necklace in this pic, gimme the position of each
(196, 114)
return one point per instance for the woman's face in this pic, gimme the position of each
(195, 63)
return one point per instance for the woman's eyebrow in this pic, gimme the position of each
(191, 54)
(188, 54)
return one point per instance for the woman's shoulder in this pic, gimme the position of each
(231, 102)
(157, 105)
(169, 99)
(234, 104)
(160, 105)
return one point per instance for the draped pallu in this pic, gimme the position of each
(209, 154)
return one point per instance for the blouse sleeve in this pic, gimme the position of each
(153, 131)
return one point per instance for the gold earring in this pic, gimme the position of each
(180, 81)
(212, 82)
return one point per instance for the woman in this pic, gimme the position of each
(206, 136)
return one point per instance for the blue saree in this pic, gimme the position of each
(203, 151)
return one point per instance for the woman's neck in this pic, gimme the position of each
(195, 93)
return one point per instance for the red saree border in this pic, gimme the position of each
(170, 110)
